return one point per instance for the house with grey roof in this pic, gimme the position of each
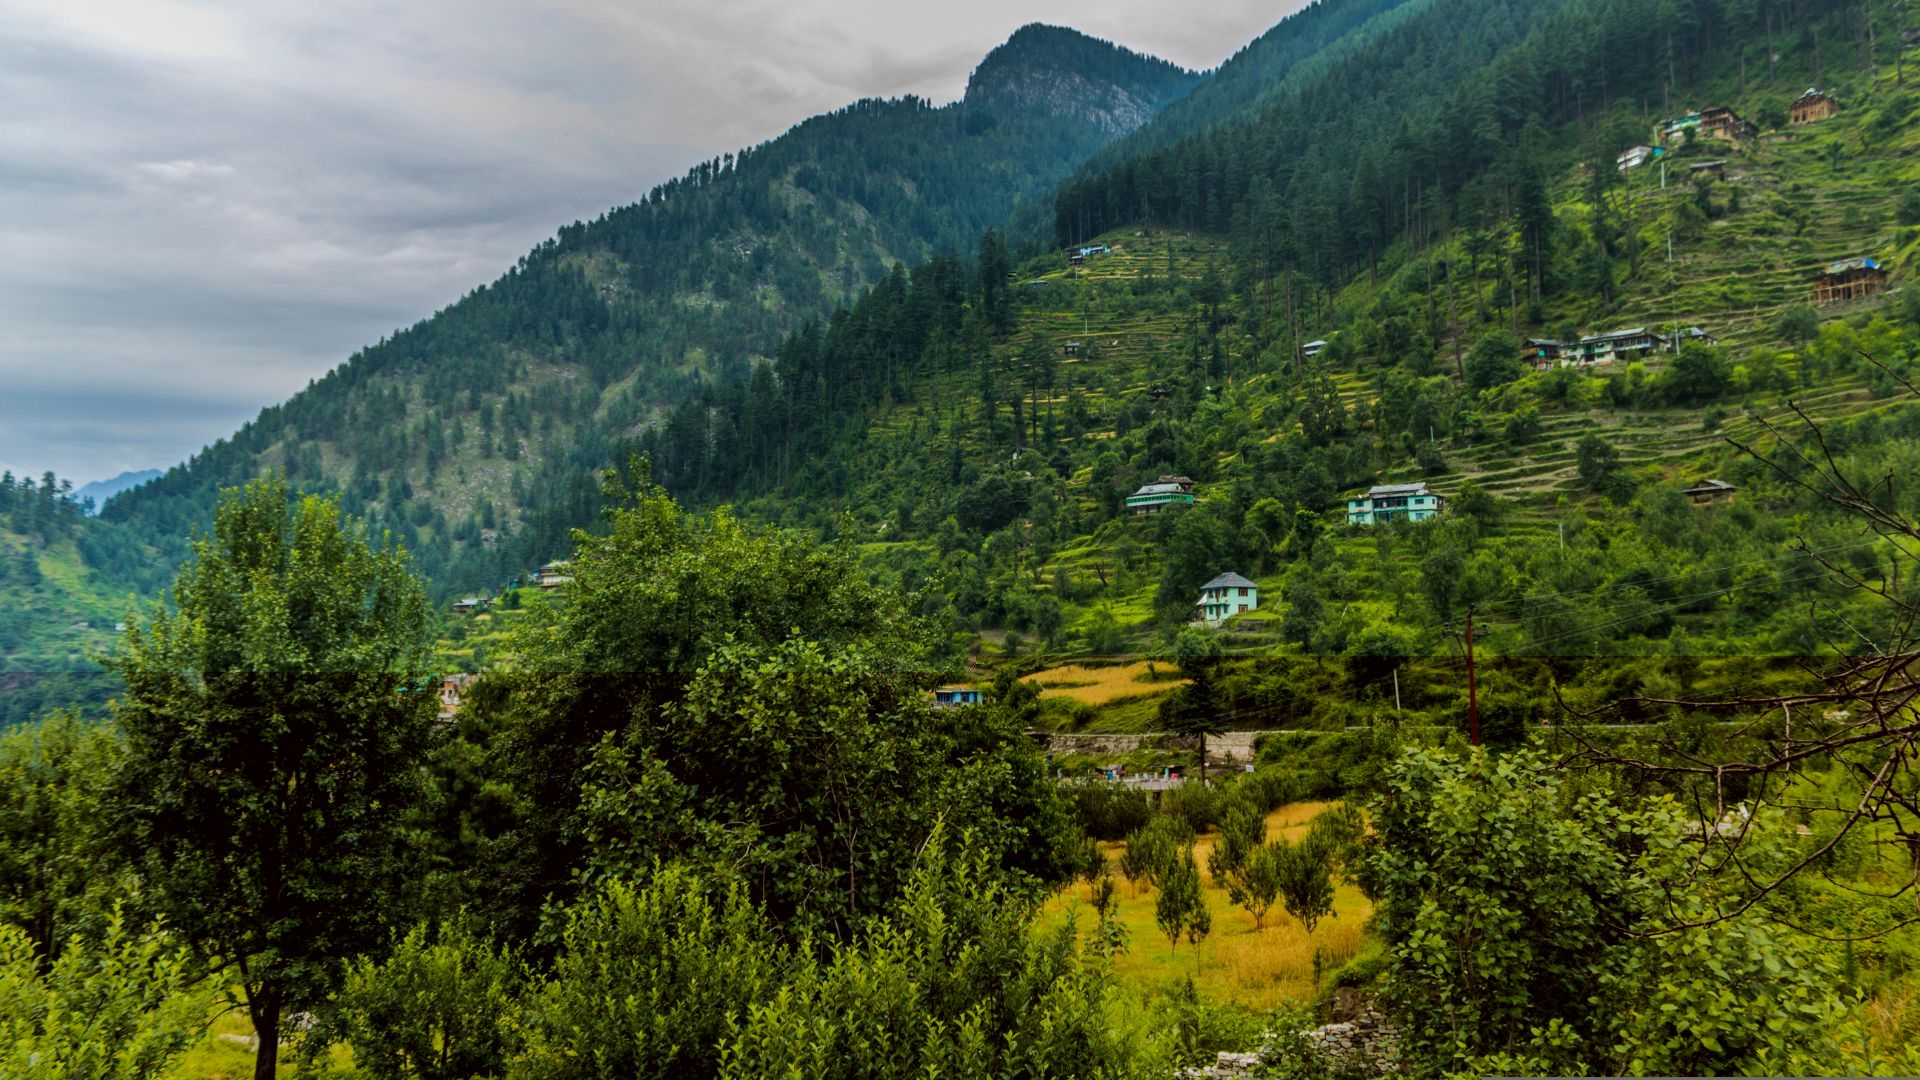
(1394, 502)
(1224, 597)
(1165, 493)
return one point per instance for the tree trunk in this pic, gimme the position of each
(263, 1005)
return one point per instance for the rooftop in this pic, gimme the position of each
(1229, 580)
(1385, 491)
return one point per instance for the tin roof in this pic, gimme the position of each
(1159, 489)
(1382, 491)
(1229, 580)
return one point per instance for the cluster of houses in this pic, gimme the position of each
(1722, 123)
(1614, 346)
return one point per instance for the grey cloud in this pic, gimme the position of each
(207, 203)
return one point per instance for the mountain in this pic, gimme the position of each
(101, 490)
(1331, 290)
(476, 434)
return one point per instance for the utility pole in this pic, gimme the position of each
(1473, 691)
(1396, 690)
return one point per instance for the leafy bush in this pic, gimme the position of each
(1108, 811)
(441, 1007)
(1535, 929)
(1196, 804)
(120, 1009)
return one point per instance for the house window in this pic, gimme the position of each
(1243, 592)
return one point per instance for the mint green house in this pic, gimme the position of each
(1165, 493)
(1394, 502)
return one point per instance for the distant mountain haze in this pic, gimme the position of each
(102, 490)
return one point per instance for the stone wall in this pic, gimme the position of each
(1226, 750)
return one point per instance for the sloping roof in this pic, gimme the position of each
(1637, 331)
(1159, 489)
(1229, 580)
(1382, 491)
(1858, 262)
(1708, 487)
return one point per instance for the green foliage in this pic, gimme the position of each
(1494, 361)
(1181, 908)
(441, 1006)
(58, 867)
(1531, 922)
(1108, 811)
(662, 980)
(1255, 885)
(122, 1008)
(1304, 880)
(1153, 847)
(1243, 827)
(274, 719)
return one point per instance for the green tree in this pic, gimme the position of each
(274, 719)
(59, 868)
(1698, 374)
(1181, 908)
(1256, 884)
(122, 1008)
(1192, 710)
(1494, 361)
(1532, 923)
(443, 1005)
(1305, 881)
(1243, 827)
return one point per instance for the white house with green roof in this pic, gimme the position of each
(1394, 502)
(1224, 597)
(1164, 493)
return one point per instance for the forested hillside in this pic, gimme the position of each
(981, 445)
(475, 434)
(66, 579)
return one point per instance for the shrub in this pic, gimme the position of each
(1196, 804)
(1108, 811)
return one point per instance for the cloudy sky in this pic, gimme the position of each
(205, 205)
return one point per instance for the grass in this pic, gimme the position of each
(1235, 964)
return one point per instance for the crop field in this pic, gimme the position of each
(1101, 686)
(1236, 964)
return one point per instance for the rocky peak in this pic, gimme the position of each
(1060, 72)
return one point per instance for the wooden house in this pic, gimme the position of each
(1702, 169)
(1542, 353)
(1313, 348)
(1720, 122)
(554, 574)
(1812, 107)
(467, 606)
(1849, 279)
(1070, 348)
(1224, 597)
(1710, 491)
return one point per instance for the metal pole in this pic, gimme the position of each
(1396, 689)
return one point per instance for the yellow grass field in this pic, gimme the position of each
(1235, 964)
(1098, 686)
